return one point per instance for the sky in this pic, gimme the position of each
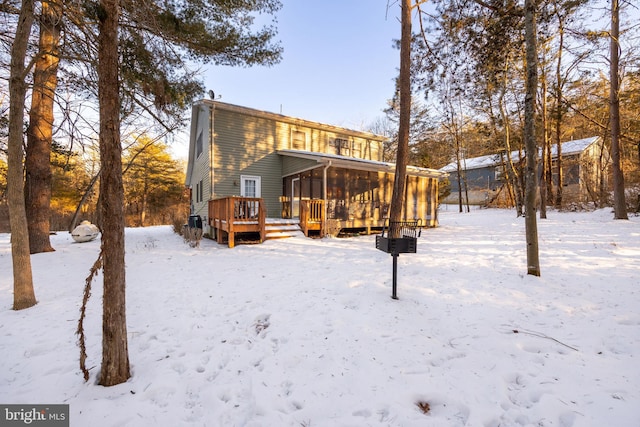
(303, 332)
(338, 65)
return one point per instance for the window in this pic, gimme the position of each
(340, 146)
(298, 140)
(199, 192)
(355, 151)
(199, 145)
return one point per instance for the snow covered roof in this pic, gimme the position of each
(356, 163)
(574, 147)
(481, 162)
(569, 147)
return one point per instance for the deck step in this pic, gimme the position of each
(276, 228)
(283, 227)
(282, 234)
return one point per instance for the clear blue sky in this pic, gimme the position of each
(338, 65)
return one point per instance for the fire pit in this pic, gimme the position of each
(398, 237)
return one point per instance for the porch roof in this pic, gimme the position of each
(326, 159)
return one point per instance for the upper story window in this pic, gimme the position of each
(356, 149)
(340, 146)
(298, 140)
(199, 145)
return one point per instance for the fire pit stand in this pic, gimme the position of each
(398, 237)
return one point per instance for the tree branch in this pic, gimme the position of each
(512, 10)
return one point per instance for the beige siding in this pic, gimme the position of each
(245, 142)
(246, 145)
(201, 169)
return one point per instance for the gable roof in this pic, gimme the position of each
(212, 106)
(574, 147)
(217, 105)
(568, 148)
(481, 162)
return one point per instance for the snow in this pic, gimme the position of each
(303, 332)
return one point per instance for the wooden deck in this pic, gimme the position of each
(232, 218)
(229, 216)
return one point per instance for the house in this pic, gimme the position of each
(584, 164)
(250, 169)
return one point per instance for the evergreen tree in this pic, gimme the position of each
(153, 180)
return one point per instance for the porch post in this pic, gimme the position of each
(324, 198)
(394, 289)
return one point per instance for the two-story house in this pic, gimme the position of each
(248, 166)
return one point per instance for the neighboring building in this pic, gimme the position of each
(254, 162)
(584, 166)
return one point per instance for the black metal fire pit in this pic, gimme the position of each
(398, 237)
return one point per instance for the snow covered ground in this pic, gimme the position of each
(303, 332)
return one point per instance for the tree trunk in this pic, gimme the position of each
(402, 157)
(545, 130)
(23, 293)
(85, 196)
(619, 201)
(531, 176)
(512, 173)
(558, 116)
(39, 134)
(115, 357)
(549, 170)
(143, 209)
(459, 178)
(508, 183)
(460, 162)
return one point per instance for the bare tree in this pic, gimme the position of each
(23, 292)
(619, 202)
(402, 156)
(531, 173)
(545, 183)
(558, 111)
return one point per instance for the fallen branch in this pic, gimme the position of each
(541, 335)
(83, 312)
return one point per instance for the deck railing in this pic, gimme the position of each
(312, 216)
(236, 215)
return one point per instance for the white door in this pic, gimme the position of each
(250, 186)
